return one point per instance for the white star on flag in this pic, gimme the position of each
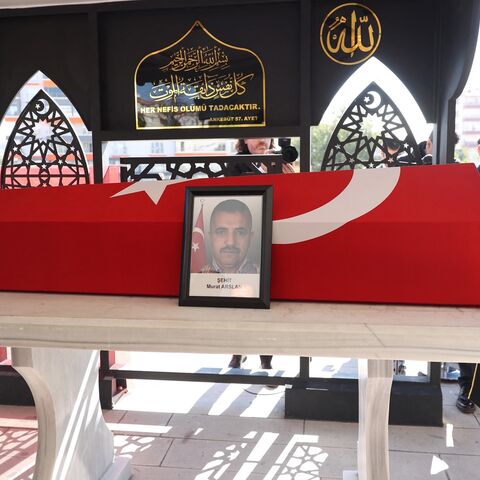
(195, 246)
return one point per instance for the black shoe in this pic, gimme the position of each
(236, 361)
(464, 404)
(266, 362)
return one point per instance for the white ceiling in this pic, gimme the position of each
(44, 3)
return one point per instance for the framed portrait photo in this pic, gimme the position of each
(227, 247)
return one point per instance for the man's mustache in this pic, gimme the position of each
(229, 250)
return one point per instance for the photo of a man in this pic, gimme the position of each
(226, 243)
(230, 239)
(227, 247)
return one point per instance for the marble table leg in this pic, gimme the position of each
(74, 442)
(374, 387)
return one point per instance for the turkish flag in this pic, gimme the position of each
(199, 251)
(384, 235)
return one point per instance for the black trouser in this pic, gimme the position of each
(266, 358)
(466, 374)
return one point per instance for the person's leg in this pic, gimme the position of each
(465, 382)
(236, 361)
(266, 362)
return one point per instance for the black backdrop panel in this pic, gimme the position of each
(271, 31)
(457, 43)
(407, 48)
(58, 45)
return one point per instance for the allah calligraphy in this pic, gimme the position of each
(350, 34)
(200, 82)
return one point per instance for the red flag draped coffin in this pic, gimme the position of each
(409, 235)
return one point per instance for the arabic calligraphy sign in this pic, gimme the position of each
(350, 34)
(200, 82)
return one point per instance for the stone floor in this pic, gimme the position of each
(183, 431)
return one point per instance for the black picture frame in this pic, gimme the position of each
(209, 286)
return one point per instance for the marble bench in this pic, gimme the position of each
(56, 339)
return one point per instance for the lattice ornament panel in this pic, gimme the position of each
(372, 133)
(43, 149)
(172, 168)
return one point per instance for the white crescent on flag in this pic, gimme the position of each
(367, 189)
(199, 231)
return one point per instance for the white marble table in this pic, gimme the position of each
(56, 338)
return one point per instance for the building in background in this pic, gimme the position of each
(467, 122)
(26, 93)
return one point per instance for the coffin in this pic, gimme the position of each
(406, 235)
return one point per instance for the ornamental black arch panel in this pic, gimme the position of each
(200, 81)
(43, 149)
(371, 133)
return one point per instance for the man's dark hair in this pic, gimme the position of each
(232, 206)
(392, 144)
(478, 141)
(242, 148)
(455, 136)
(422, 148)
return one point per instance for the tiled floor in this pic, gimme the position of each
(186, 431)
